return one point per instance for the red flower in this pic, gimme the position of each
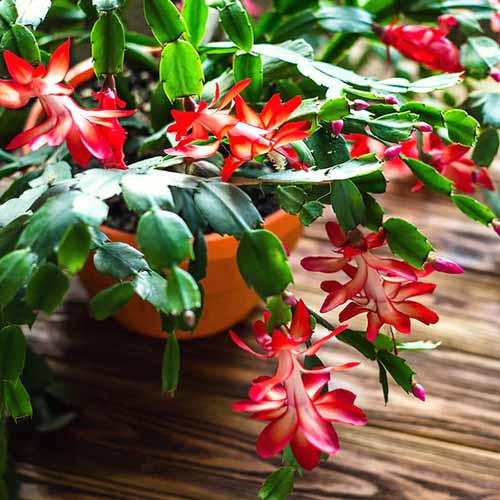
(425, 45)
(258, 134)
(378, 287)
(291, 399)
(249, 134)
(114, 134)
(204, 120)
(86, 130)
(448, 160)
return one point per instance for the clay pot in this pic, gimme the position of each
(227, 299)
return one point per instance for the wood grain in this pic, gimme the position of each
(131, 443)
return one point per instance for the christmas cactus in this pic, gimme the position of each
(185, 128)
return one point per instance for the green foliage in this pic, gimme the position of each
(429, 176)
(111, 300)
(16, 399)
(180, 70)
(280, 313)
(108, 44)
(152, 287)
(348, 204)
(278, 485)
(20, 40)
(15, 269)
(171, 365)
(407, 241)
(486, 147)
(363, 165)
(198, 264)
(182, 292)
(263, 264)
(334, 109)
(327, 149)
(164, 20)
(473, 209)
(291, 198)
(226, 208)
(236, 23)
(462, 127)
(248, 65)
(47, 288)
(164, 237)
(311, 211)
(393, 127)
(74, 248)
(195, 14)
(47, 227)
(400, 371)
(119, 260)
(478, 55)
(12, 353)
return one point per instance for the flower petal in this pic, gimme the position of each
(259, 390)
(307, 455)
(20, 70)
(243, 346)
(59, 63)
(14, 95)
(323, 264)
(276, 436)
(300, 327)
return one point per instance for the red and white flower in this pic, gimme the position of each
(86, 131)
(293, 400)
(378, 287)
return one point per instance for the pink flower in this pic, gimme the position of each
(292, 400)
(86, 131)
(425, 45)
(378, 287)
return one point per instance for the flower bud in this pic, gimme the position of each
(447, 266)
(495, 74)
(418, 391)
(496, 226)
(424, 127)
(189, 318)
(289, 299)
(337, 127)
(360, 104)
(392, 152)
(447, 21)
(391, 99)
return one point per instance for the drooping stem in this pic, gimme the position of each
(349, 337)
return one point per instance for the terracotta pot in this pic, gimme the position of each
(227, 300)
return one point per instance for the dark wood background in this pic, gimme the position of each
(130, 443)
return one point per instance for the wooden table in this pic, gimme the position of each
(132, 443)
